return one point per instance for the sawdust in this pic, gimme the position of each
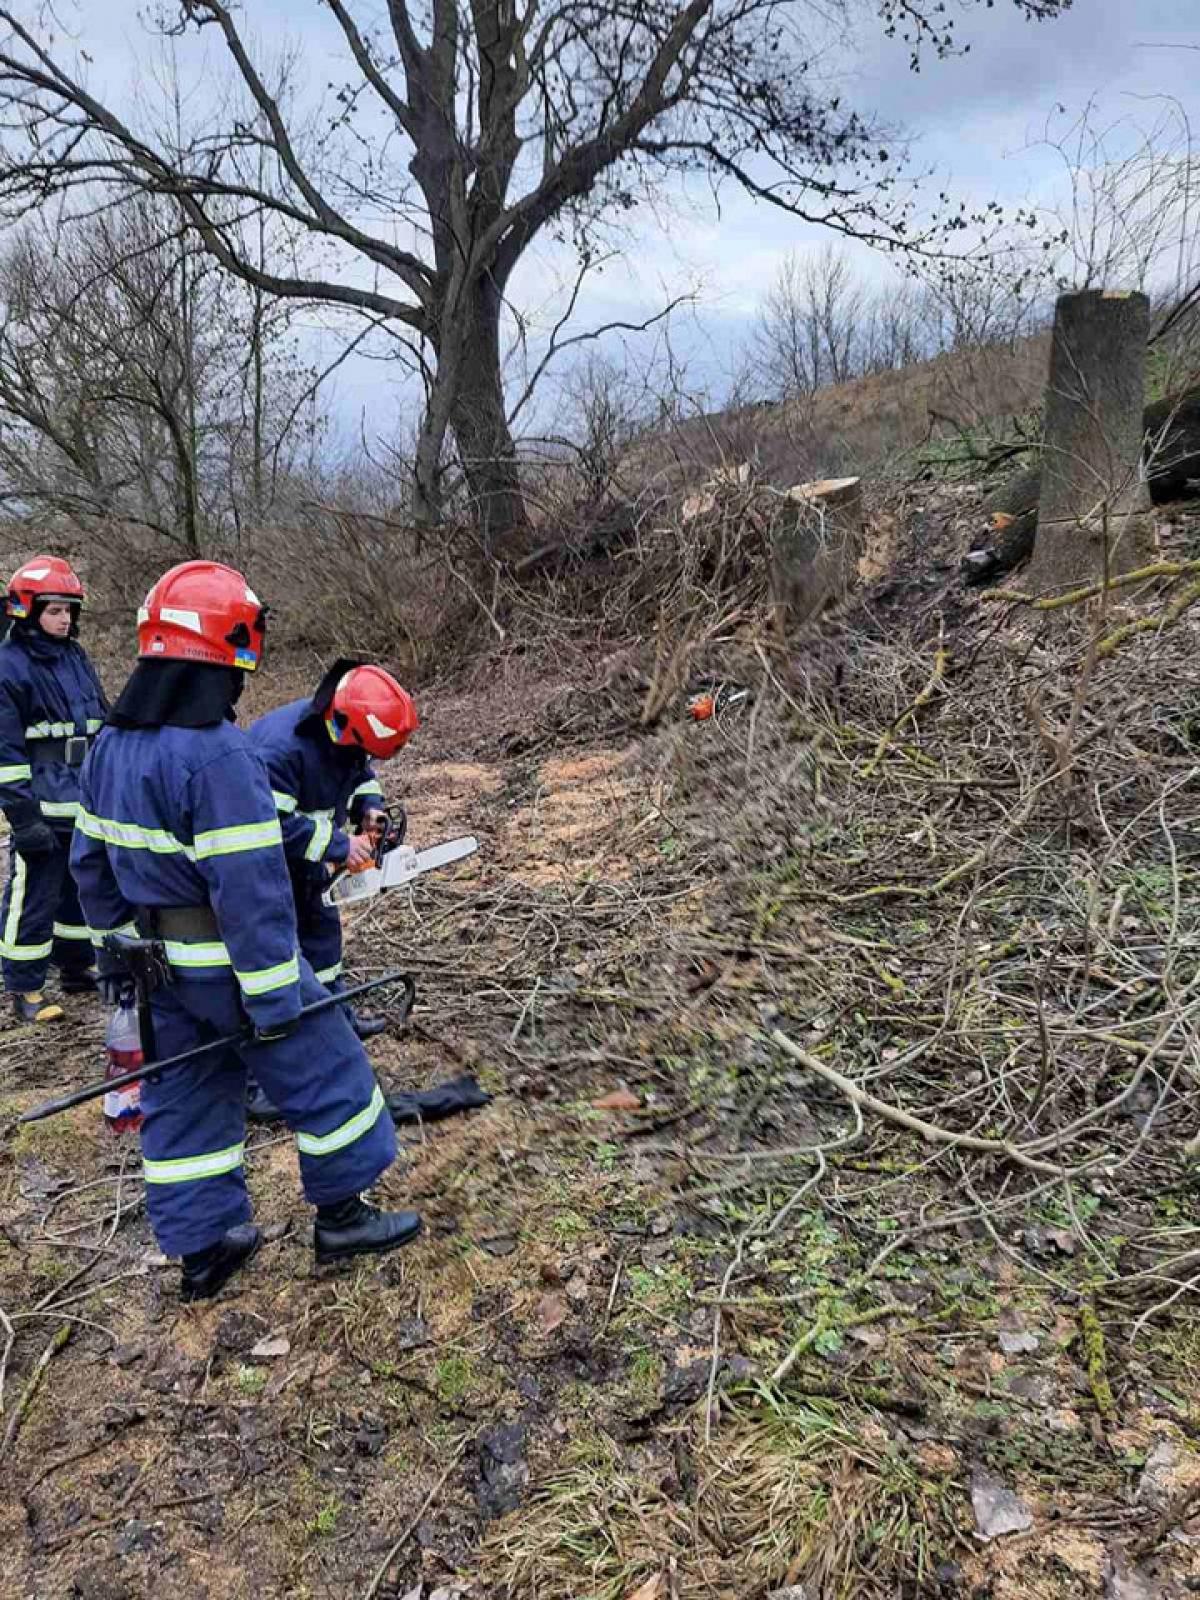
(580, 824)
(584, 769)
(455, 777)
(1033, 1566)
(880, 538)
(444, 799)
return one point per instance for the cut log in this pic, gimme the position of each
(1172, 428)
(816, 539)
(1172, 434)
(1092, 513)
(1012, 514)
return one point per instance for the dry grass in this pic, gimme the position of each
(849, 427)
(792, 1493)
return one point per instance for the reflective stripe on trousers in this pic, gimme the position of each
(40, 920)
(194, 1130)
(11, 948)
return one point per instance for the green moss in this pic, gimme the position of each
(326, 1520)
(567, 1226)
(453, 1378)
(645, 1375)
(1095, 1360)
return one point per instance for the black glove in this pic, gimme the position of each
(35, 838)
(272, 1032)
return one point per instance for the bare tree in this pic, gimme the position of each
(453, 136)
(895, 331)
(1129, 218)
(134, 379)
(821, 323)
(809, 328)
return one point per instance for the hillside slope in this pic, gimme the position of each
(847, 427)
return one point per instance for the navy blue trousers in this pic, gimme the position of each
(193, 1135)
(40, 919)
(319, 926)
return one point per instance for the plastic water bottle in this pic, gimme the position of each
(123, 1050)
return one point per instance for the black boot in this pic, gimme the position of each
(205, 1271)
(353, 1228)
(79, 980)
(258, 1107)
(367, 1027)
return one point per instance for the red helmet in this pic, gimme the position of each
(202, 611)
(370, 709)
(43, 578)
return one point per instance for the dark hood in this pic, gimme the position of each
(177, 694)
(312, 724)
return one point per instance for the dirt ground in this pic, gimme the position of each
(650, 1346)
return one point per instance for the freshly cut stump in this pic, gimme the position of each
(816, 540)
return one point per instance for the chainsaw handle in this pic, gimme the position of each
(381, 833)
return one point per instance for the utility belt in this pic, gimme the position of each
(188, 924)
(56, 752)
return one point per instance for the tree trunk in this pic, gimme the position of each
(1092, 512)
(480, 425)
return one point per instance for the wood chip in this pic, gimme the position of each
(653, 1589)
(618, 1100)
(552, 1312)
(271, 1348)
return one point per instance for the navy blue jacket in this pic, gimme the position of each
(48, 690)
(185, 817)
(318, 785)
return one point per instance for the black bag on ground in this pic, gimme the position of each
(436, 1104)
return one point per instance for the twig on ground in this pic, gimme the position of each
(373, 1587)
(31, 1388)
(927, 1130)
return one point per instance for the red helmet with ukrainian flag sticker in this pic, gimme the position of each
(371, 710)
(205, 612)
(44, 578)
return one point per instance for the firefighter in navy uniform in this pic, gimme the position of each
(178, 839)
(51, 706)
(319, 754)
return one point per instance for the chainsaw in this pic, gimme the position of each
(394, 864)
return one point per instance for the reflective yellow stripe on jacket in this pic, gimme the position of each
(212, 953)
(213, 842)
(322, 822)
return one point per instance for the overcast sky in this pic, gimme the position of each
(975, 120)
(978, 121)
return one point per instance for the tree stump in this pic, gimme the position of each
(1094, 499)
(816, 539)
